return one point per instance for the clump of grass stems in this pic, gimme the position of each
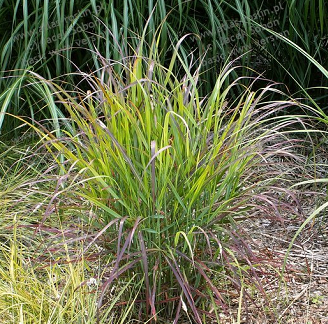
(168, 173)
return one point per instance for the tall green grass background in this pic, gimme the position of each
(60, 37)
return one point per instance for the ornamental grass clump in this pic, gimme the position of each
(168, 174)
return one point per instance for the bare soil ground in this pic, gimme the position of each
(303, 298)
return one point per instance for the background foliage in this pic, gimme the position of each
(60, 37)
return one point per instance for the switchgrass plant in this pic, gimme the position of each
(169, 173)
